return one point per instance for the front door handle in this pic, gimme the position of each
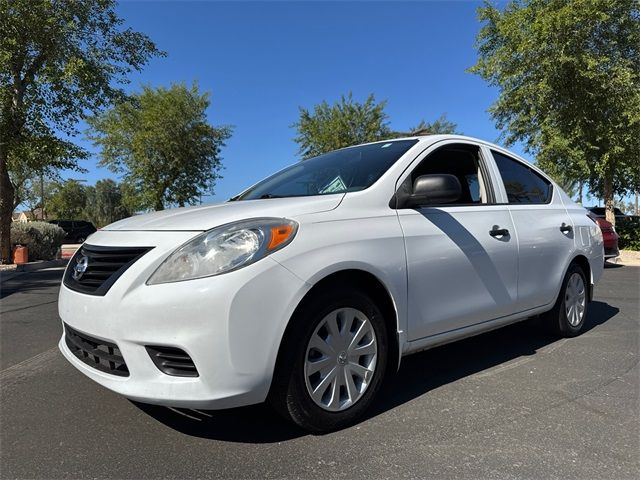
(564, 228)
(498, 232)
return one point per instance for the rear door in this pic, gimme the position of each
(543, 227)
(461, 257)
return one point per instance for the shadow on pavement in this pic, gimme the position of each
(608, 264)
(30, 281)
(418, 374)
(253, 424)
(434, 368)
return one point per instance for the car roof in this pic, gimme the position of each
(431, 139)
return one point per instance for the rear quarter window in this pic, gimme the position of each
(522, 184)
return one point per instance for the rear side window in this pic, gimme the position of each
(523, 185)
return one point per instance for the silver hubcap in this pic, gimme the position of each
(575, 299)
(340, 359)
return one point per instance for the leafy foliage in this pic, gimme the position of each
(569, 78)
(68, 202)
(345, 123)
(629, 231)
(349, 122)
(43, 239)
(441, 125)
(162, 143)
(105, 203)
(58, 60)
(69, 57)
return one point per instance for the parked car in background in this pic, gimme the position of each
(307, 288)
(610, 237)
(77, 230)
(600, 212)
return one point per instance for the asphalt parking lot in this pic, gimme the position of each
(512, 403)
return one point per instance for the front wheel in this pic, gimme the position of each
(568, 315)
(333, 362)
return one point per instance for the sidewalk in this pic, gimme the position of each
(627, 257)
(10, 271)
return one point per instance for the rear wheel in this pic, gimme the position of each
(568, 315)
(333, 361)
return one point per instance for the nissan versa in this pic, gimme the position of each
(306, 289)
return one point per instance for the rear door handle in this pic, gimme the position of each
(498, 232)
(564, 228)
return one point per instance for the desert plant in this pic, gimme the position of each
(41, 238)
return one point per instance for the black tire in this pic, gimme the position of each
(556, 319)
(289, 395)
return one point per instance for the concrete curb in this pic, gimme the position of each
(41, 264)
(628, 258)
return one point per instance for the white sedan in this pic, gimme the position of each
(308, 288)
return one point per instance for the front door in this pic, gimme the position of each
(461, 257)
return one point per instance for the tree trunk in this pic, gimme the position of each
(581, 187)
(6, 208)
(610, 215)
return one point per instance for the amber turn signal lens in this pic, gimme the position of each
(279, 235)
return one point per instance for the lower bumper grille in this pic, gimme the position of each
(172, 361)
(99, 354)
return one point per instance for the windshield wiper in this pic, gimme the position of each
(270, 195)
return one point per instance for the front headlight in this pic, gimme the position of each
(225, 248)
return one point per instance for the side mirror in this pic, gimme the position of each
(434, 189)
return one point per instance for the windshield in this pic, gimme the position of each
(347, 170)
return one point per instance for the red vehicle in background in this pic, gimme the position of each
(610, 237)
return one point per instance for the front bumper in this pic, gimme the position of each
(230, 325)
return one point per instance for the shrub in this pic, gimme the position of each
(629, 231)
(43, 239)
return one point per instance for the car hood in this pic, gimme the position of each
(206, 217)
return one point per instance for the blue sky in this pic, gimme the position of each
(262, 60)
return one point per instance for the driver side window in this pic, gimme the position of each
(461, 161)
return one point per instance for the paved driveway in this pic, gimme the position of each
(510, 403)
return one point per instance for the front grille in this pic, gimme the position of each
(99, 354)
(172, 361)
(93, 270)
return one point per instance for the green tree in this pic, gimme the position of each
(68, 202)
(349, 122)
(569, 78)
(58, 60)
(162, 143)
(570, 185)
(105, 203)
(25, 190)
(29, 189)
(441, 125)
(345, 123)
